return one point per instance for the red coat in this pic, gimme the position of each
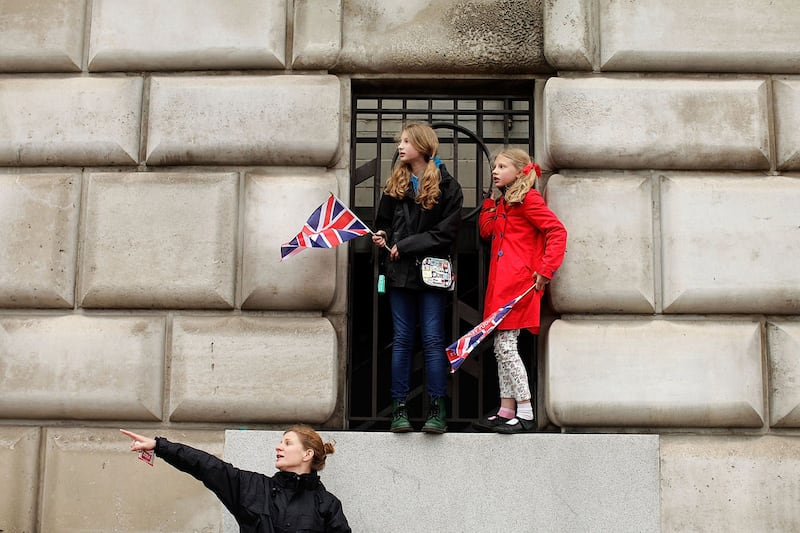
(525, 238)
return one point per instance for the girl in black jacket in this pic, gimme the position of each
(292, 500)
(419, 215)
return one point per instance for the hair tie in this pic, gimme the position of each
(437, 161)
(532, 166)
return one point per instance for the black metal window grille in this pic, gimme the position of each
(470, 128)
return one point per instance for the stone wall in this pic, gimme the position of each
(154, 155)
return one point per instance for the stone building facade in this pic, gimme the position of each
(154, 155)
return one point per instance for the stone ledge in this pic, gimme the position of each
(480, 482)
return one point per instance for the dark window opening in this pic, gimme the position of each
(472, 121)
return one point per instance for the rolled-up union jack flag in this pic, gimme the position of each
(329, 225)
(458, 352)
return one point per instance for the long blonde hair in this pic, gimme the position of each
(424, 139)
(515, 193)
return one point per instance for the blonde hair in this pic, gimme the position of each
(424, 139)
(311, 440)
(515, 193)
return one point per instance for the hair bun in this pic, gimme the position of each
(328, 447)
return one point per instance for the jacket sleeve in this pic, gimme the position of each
(443, 234)
(337, 523)
(227, 482)
(383, 219)
(555, 234)
(486, 218)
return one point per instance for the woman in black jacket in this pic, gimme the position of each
(418, 216)
(292, 500)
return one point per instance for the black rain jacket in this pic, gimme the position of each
(283, 503)
(424, 233)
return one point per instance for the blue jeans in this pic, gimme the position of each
(429, 306)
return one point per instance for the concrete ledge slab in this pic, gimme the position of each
(654, 373)
(730, 483)
(92, 482)
(479, 482)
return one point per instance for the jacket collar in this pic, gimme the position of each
(290, 480)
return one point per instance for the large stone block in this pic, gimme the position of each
(93, 482)
(19, 477)
(725, 244)
(608, 267)
(317, 36)
(729, 483)
(187, 35)
(497, 36)
(278, 120)
(160, 240)
(558, 483)
(569, 36)
(630, 123)
(277, 205)
(70, 121)
(654, 373)
(253, 369)
(787, 122)
(41, 35)
(38, 239)
(783, 354)
(710, 36)
(81, 367)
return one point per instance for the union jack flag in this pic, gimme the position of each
(458, 352)
(329, 225)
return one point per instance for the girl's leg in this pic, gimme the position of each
(404, 319)
(432, 305)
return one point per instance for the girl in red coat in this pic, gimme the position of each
(528, 243)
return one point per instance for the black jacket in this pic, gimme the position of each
(284, 503)
(430, 232)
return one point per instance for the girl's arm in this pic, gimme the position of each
(554, 233)
(486, 218)
(222, 478)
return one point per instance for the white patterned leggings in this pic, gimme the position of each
(510, 368)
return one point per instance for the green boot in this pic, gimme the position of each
(400, 423)
(436, 422)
